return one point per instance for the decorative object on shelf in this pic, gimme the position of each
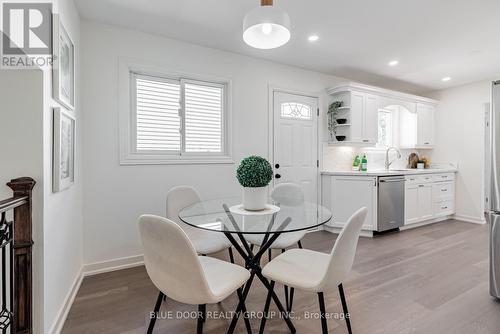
(63, 67)
(420, 164)
(426, 161)
(333, 110)
(341, 120)
(266, 27)
(340, 138)
(63, 169)
(413, 160)
(254, 174)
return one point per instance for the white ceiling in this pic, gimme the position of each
(430, 38)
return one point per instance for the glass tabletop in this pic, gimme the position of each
(226, 215)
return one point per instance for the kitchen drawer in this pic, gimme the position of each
(444, 177)
(418, 179)
(443, 190)
(444, 208)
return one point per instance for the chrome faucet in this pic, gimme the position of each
(387, 162)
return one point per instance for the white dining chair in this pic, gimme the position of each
(318, 272)
(291, 195)
(205, 242)
(179, 273)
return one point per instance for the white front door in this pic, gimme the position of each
(295, 142)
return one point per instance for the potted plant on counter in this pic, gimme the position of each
(254, 174)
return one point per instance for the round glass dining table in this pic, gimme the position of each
(227, 216)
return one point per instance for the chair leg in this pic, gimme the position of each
(344, 306)
(324, 325)
(204, 312)
(269, 254)
(201, 319)
(231, 256)
(299, 244)
(266, 308)
(292, 290)
(156, 310)
(251, 247)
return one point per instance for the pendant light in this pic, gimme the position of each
(266, 27)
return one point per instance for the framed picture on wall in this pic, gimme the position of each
(64, 150)
(63, 66)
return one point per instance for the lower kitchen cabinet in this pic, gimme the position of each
(428, 197)
(344, 195)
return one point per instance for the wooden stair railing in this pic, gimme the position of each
(16, 249)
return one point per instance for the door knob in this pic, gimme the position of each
(277, 166)
(277, 176)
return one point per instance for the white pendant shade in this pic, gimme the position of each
(266, 27)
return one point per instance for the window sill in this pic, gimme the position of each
(135, 159)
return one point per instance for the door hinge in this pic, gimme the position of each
(317, 163)
(318, 111)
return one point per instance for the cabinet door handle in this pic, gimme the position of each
(444, 207)
(366, 140)
(278, 176)
(421, 185)
(426, 143)
(444, 189)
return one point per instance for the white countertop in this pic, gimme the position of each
(382, 172)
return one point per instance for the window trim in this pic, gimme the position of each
(129, 155)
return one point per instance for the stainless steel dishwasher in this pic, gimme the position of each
(391, 199)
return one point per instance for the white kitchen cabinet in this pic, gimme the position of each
(428, 197)
(362, 115)
(344, 195)
(411, 204)
(425, 126)
(425, 207)
(370, 119)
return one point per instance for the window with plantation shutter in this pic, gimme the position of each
(178, 120)
(203, 117)
(157, 115)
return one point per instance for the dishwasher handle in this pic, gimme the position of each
(390, 180)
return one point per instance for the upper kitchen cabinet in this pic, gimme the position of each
(368, 112)
(425, 126)
(356, 120)
(416, 127)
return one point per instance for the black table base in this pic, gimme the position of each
(252, 263)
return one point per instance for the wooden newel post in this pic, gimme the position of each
(22, 263)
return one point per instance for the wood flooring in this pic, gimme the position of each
(432, 279)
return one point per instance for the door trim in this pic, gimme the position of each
(270, 112)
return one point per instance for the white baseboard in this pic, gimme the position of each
(112, 265)
(58, 324)
(470, 219)
(89, 270)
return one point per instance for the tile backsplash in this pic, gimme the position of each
(341, 157)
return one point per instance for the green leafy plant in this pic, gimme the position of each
(254, 171)
(333, 110)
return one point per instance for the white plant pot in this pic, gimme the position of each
(254, 199)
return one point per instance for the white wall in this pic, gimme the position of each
(21, 154)
(63, 218)
(460, 138)
(115, 195)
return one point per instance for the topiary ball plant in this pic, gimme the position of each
(254, 171)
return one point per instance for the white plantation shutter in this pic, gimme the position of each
(178, 119)
(157, 115)
(203, 117)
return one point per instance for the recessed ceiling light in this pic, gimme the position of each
(446, 79)
(393, 63)
(313, 38)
